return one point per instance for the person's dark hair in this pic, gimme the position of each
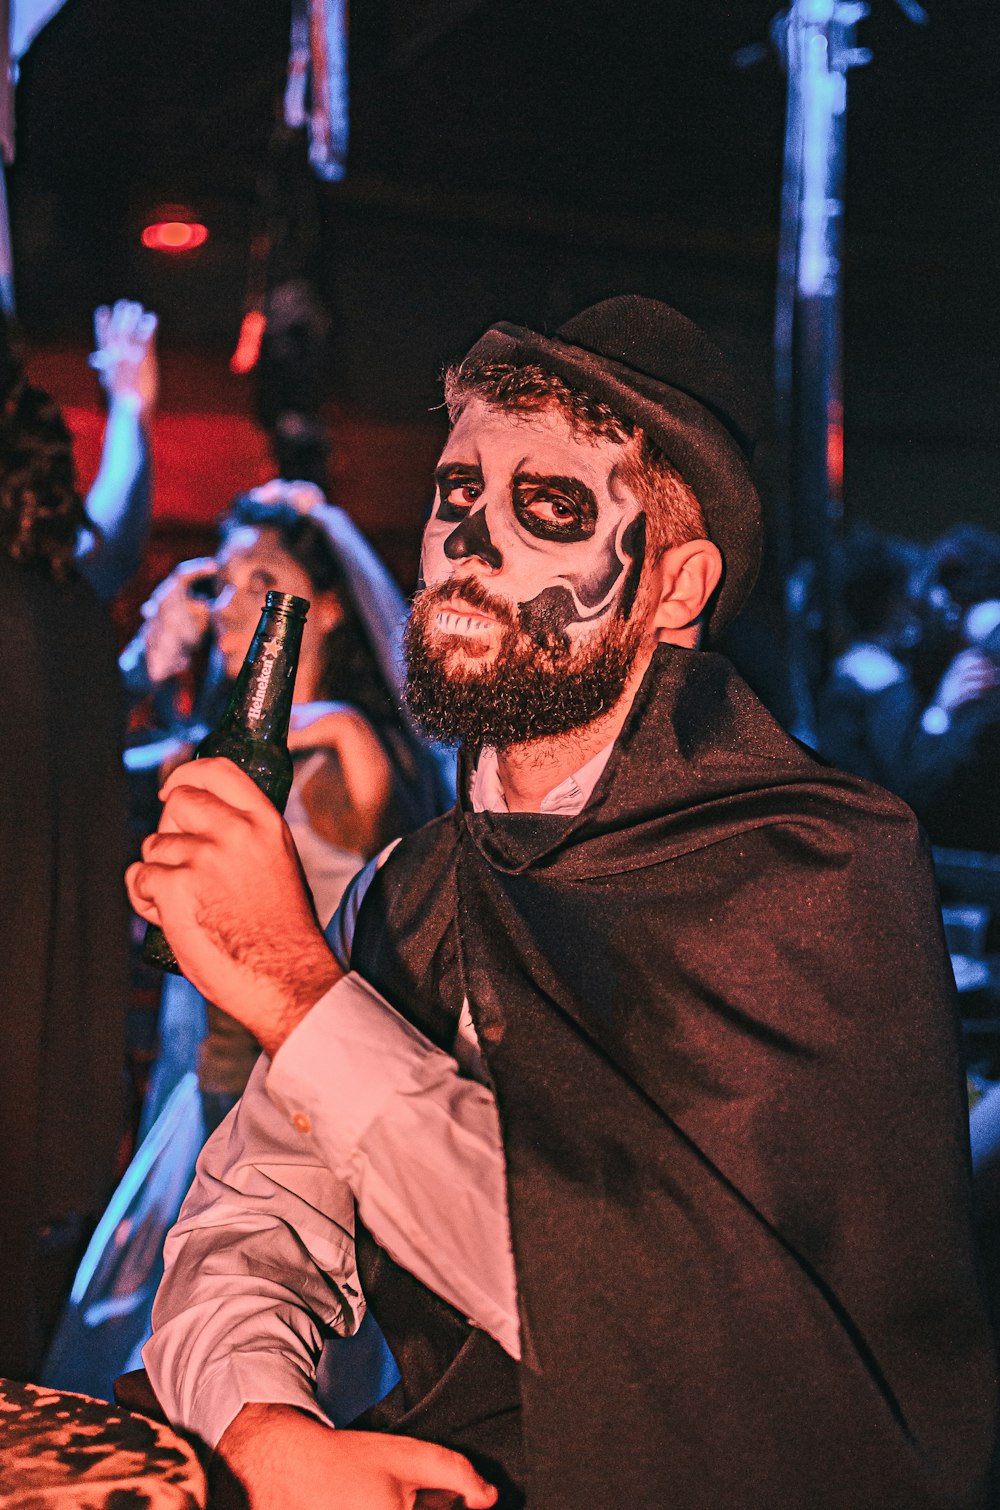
(873, 577)
(673, 512)
(351, 673)
(965, 562)
(41, 511)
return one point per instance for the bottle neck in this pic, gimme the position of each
(261, 702)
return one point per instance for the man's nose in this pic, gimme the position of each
(472, 538)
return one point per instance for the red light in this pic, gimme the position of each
(174, 236)
(835, 449)
(245, 357)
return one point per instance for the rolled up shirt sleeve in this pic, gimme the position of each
(259, 1264)
(418, 1144)
(357, 1106)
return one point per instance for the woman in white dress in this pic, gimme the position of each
(361, 776)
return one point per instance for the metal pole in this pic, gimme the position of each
(817, 42)
(7, 72)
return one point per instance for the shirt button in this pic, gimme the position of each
(301, 1123)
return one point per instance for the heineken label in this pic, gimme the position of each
(270, 653)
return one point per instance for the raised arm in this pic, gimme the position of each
(119, 500)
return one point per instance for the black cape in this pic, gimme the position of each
(718, 1015)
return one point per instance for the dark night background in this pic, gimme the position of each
(519, 160)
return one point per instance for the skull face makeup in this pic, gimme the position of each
(532, 562)
(539, 512)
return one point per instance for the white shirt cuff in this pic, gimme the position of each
(265, 1378)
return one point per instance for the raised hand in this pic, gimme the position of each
(222, 878)
(175, 619)
(301, 496)
(969, 677)
(125, 355)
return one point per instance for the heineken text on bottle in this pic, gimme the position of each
(253, 732)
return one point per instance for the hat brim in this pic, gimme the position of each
(689, 435)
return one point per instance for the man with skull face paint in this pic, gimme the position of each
(550, 515)
(531, 579)
(589, 1097)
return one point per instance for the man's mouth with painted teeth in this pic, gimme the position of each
(456, 620)
(465, 609)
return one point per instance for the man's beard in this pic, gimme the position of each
(529, 689)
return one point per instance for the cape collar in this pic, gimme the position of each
(695, 735)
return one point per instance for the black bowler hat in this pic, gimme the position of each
(652, 365)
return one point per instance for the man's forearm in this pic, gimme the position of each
(262, 1257)
(418, 1144)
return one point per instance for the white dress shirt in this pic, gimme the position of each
(357, 1107)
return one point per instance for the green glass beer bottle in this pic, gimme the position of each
(253, 731)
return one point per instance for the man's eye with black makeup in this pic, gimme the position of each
(459, 489)
(550, 514)
(461, 494)
(541, 505)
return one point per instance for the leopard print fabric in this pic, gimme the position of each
(62, 1451)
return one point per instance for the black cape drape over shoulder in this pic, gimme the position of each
(719, 1019)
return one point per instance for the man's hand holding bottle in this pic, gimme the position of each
(222, 878)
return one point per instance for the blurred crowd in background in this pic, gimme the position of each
(912, 699)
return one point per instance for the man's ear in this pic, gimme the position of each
(684, 579)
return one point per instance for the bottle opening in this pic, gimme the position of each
(287, 602)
